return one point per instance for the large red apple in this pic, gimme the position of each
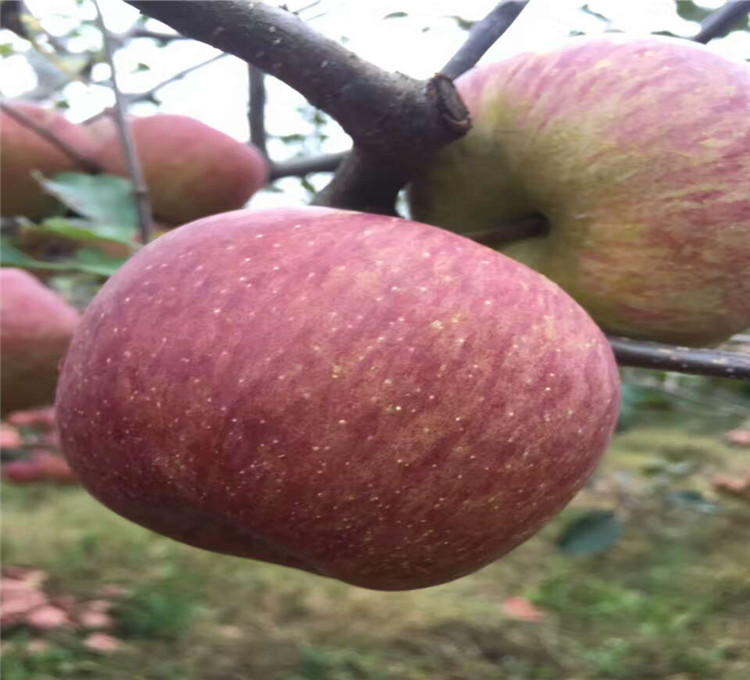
(37, 325)
(24, 150)
(637, 152)
(191, 169)
(359, 396)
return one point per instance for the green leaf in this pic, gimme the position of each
(103, 198)
(85, 260)
(396, 15)
(95, 262)
(85, 230)
(6, 50)
(595, 532)
(142, 67)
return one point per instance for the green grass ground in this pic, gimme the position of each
(670, 601)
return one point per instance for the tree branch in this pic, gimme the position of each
(397, 123)
(482, 36)
(11, 17)
(257, 109)
(718, 23)
(86, 164)
(299, 167)
(654, 355)
(140, 191)
(136, 32)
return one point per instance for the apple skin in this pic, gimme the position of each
(191, 169)
(358, 396)
(37, 325)
(23, 151)
(638, 153)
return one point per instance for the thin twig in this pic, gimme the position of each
(256, 109)
(151, 92)
(654, 355)
(482, 36)
(299, 167)
(722, 20)
(85, 163)
(140, 192)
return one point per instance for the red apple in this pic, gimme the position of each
(637, 152)
(359, 396)
(37, 325)
(21, 472)
(24, 150)
(191, 169)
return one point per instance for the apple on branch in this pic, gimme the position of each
(619, 168)
(37, 325)
(191, 170)
(24, 151)
(359, 396)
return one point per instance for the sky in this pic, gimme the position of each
(417, 45)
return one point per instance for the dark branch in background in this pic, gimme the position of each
(718, 23)
(299, 167)
(151, 92)
(86, 164)
(140, 192)
(397, 123)
(654, 355)
(256, 111)
(482, 36)
(11, 13)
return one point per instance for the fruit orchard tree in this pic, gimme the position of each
(340, 389)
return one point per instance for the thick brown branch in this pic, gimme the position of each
(680, 359)
(482, 36)
(721, 21)
(86, 164)
(397, 123)
(140, 191)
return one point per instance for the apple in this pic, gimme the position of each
(191, 169)
(37, 325)
(358, 396)
(636, 152)
(41, 466)
(24, 150)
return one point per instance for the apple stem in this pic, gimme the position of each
(505, 232)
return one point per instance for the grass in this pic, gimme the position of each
(662, 604)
